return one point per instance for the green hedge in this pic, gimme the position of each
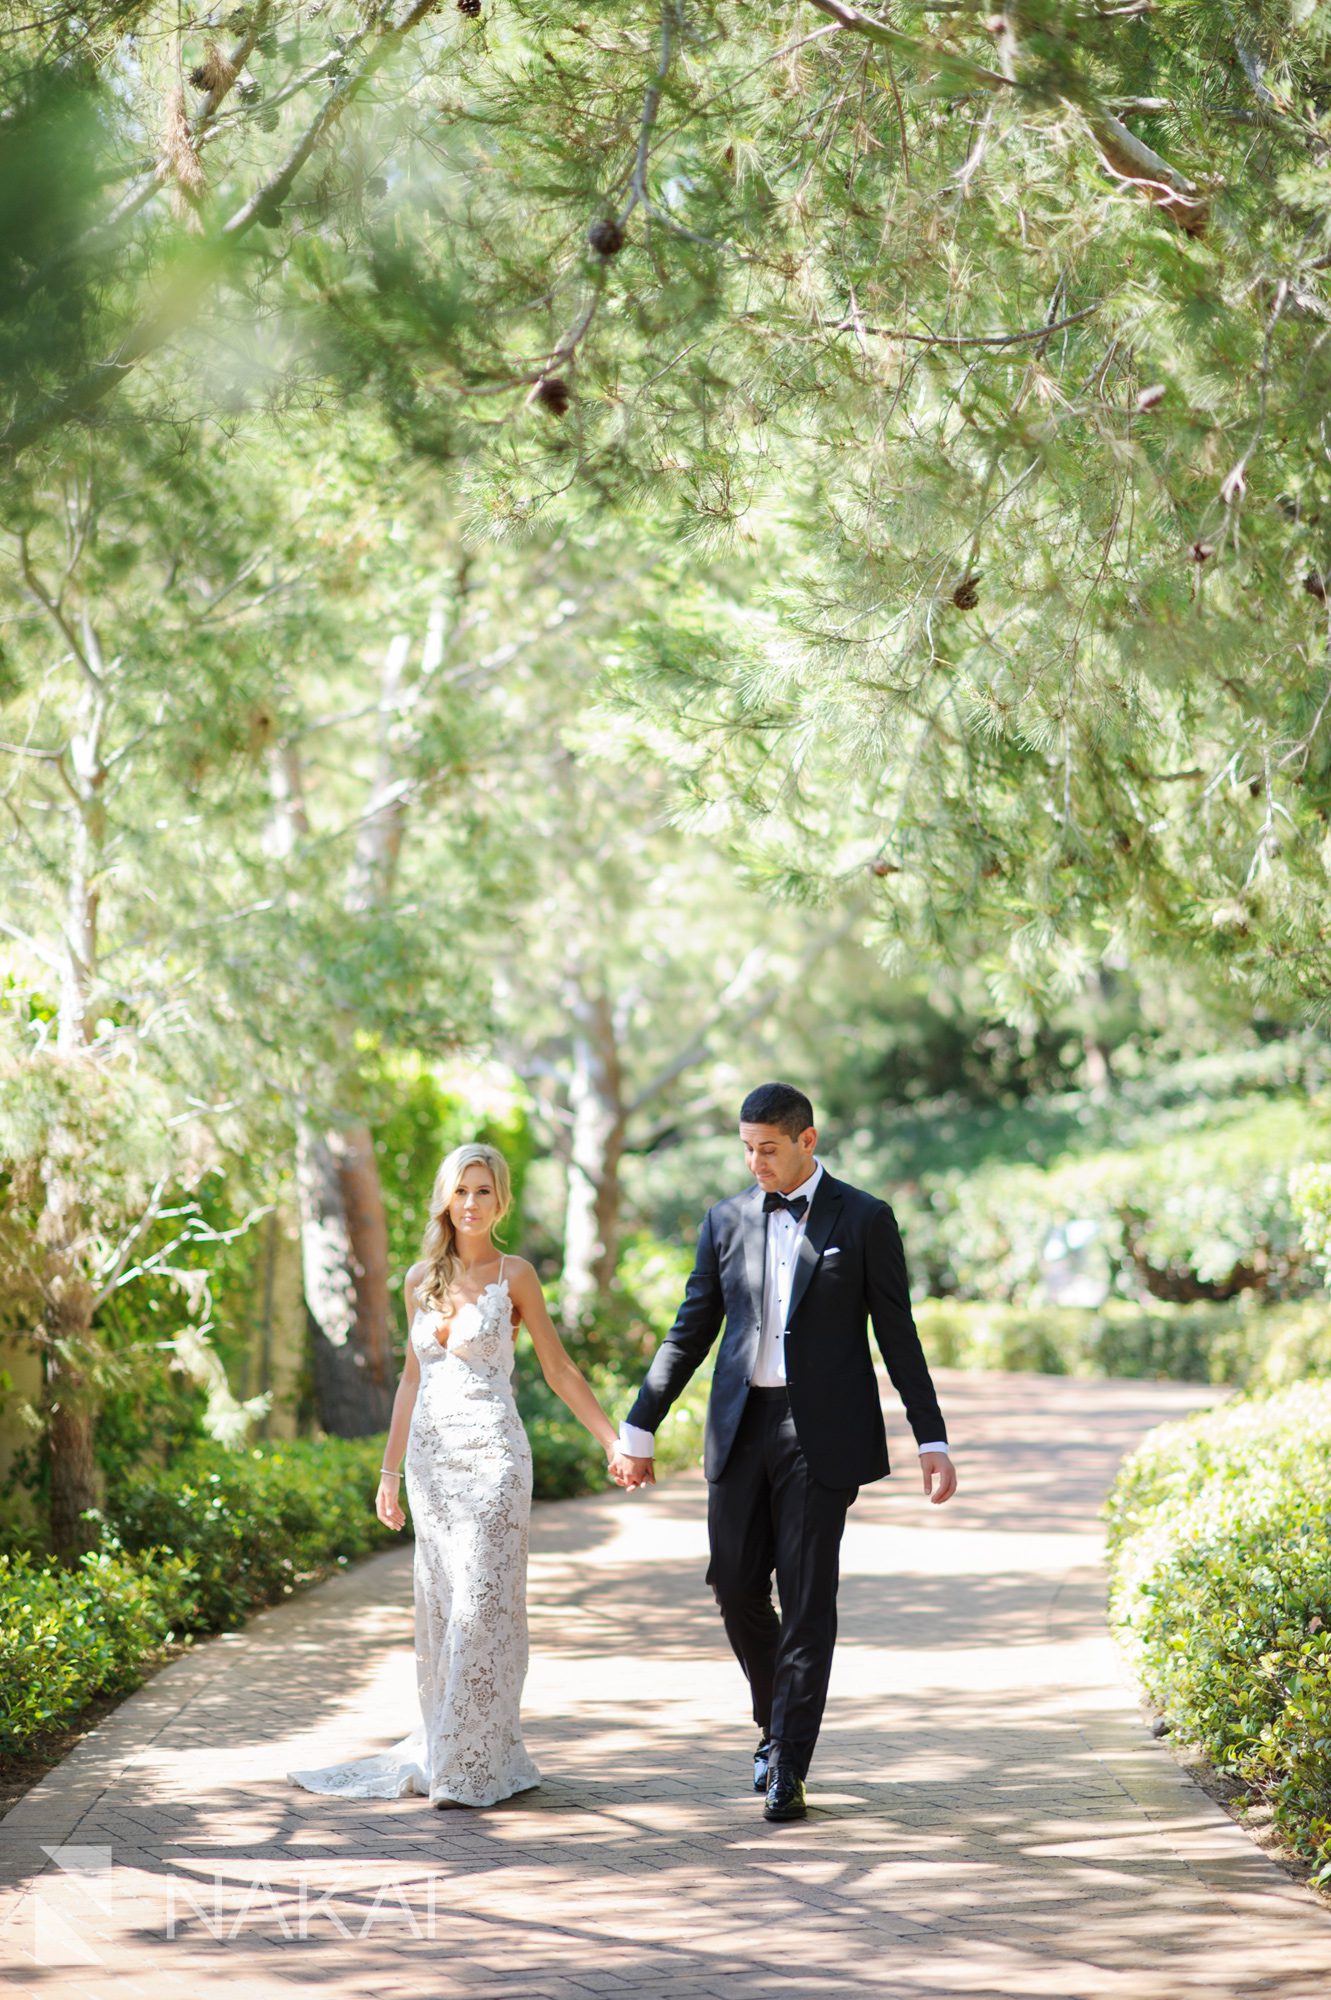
(1240, 1342)
(67, 1636)
(1220, 1551)
(254, 1522)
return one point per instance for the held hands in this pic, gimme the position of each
(386, 1501)
(631, 1472)
(937, 1465)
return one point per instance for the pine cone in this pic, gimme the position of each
(1315, 585)
(214, 72)
(471, 8)
(552, 393)
(376, 187)
(269, 215)
(248, 87)
(606, 237)
(967, 593)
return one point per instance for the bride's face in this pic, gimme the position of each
(475, 1202)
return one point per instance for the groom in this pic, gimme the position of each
(795, 1266)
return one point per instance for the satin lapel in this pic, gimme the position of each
(754, 1226)
(826, 1208)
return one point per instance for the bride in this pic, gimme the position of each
(469, 1475)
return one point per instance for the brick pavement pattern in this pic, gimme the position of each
(989, 1815)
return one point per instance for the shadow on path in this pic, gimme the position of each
(989, 1816)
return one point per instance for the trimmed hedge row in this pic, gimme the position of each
(1220, 1555)
(1238, 1342)
(66, 1637)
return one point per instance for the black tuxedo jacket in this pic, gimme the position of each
(851, 1270)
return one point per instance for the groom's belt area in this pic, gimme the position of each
(777, 1395)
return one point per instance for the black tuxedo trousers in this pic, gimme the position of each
(767, 1513)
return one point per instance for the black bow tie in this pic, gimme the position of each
(796, 1203)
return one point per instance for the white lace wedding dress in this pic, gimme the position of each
(468, 1478)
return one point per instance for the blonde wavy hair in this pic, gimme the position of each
(439, 1245)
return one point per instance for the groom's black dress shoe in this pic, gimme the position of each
(785, 1796)
(761, 1758)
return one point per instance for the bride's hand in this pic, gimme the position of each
(386, 1504)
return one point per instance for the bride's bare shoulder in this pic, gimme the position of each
(414, 1275)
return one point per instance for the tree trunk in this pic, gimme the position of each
(344, 1255)
(280, 1324)
(70, 1434)
(69, 1409)
(379, 841)
(596, 1148)
(87, 778)
(342, 1225)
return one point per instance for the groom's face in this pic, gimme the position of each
(775, 1159)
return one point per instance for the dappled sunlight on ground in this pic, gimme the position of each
(988, 1815)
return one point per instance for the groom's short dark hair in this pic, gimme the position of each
(778, 1104)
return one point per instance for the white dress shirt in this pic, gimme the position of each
(784, 1234)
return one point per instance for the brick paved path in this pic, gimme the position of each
(990, 1817)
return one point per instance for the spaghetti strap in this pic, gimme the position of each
(503, 1259)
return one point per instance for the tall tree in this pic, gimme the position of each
(155, 633)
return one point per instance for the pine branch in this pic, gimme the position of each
(961, 68)
(31, 944)
(965, 339)
(203, 125)
(185, 298)
(727, 1010)
(55, 612)
(126, 1246)
(1132, 160)
(1127, 156)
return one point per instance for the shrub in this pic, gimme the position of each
(254, 1522)
(1187, 1170)
(1240, 1341)
(1220, 1546)
(66, 1636)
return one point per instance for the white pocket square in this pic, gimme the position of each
(832, 1250)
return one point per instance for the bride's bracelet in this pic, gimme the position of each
(388, 1472)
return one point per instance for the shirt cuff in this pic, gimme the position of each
(636, 1443)
(932, 1447)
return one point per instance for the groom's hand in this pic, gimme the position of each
(937, 1465)
(630, 1472)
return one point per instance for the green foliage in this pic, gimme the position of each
(1040, 497)
(1220, 1535)
(1186, 1169)
(1310, 1192)
(256, 1522)
(427, 1110)
(66, 1637)
(613, 1345)
(1239, 1341)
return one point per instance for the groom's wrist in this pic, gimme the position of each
(635, 1443)
(932, 1447)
